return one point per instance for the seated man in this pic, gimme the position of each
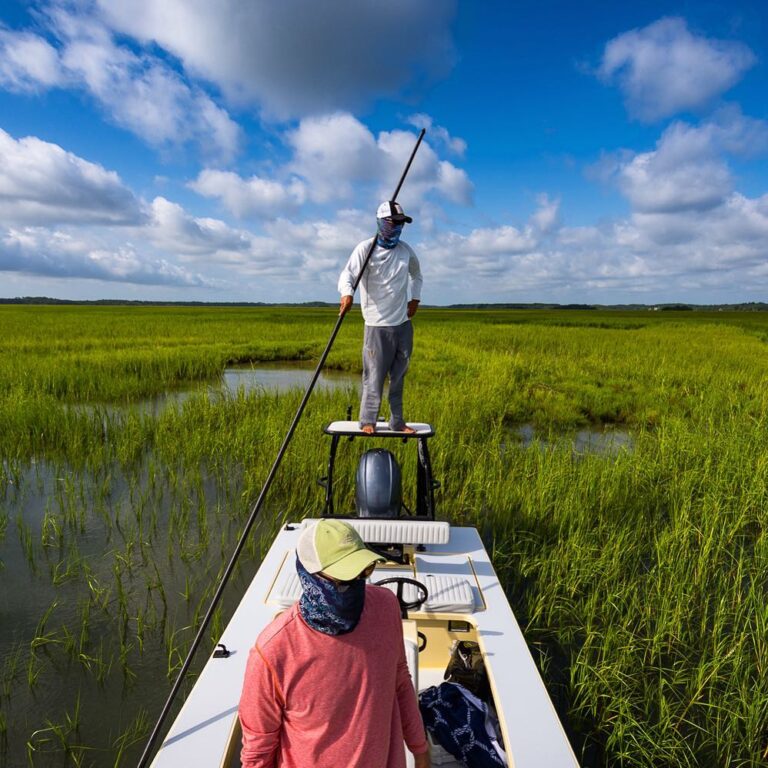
(327, 683)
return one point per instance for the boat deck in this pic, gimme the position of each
(532, 732)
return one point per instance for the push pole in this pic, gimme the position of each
(259, 502)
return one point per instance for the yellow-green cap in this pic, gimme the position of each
(335, 548)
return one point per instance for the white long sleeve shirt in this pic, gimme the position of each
(384, 289)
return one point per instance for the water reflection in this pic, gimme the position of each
(284, 376)
(104, 572)
(102, 575)
(605, 441)
(266, 377)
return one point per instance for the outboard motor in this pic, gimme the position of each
(378, 491)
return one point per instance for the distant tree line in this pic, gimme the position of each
(748, 306)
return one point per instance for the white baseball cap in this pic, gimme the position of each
(389, 209)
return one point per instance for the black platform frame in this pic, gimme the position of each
(425, 482)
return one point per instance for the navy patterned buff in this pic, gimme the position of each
(327, 607)
(388, 233)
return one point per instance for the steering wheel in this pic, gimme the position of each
(401, 582)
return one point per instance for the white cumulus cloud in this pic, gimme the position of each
(688, 169)
(334, 152)
(62, 254)
(453, 144)
(338, 156)
(546, 217)
(664, 68)
(41, 183)
(501, 240)
(254, 196)
(292, 59)
(28, 62)
(175, 230)
(138, 91)
(427, 175)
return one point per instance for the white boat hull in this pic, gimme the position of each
(205, 732)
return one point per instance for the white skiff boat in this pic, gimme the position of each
(465, 601)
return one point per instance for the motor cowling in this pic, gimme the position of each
(378, 488)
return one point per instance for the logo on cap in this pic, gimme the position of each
(389, 209)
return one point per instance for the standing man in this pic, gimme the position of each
(392, 269)
(327, 683)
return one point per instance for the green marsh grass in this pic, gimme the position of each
(637, 575)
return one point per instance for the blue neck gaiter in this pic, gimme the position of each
(327, 607)
(388, 233)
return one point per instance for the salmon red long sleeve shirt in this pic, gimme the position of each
(311, 699)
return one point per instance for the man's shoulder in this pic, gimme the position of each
(364, 245)
(382, 598)
(276, 629)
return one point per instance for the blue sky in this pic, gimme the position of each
(236, 151)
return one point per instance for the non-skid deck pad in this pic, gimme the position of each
(375, 531)
(447, 594)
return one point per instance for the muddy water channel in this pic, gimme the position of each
(103, 570)
(604, 441)
(277, 377)
(106, 567)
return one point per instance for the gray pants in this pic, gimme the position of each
(386, 351)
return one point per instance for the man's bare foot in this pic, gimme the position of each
(408, 430)
(368, 429)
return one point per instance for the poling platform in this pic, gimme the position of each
(352, 429)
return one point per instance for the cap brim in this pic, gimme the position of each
(402, 219)
(351, 566)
